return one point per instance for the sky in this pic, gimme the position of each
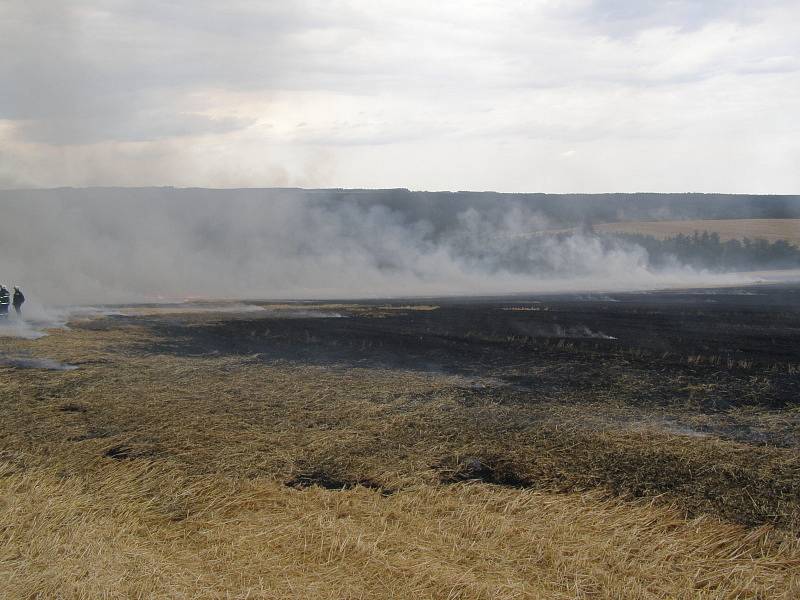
(537, 96)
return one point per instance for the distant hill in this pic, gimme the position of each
(441, 209)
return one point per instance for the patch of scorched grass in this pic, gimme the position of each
(155, 475)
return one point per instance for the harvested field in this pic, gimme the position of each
(135, 529)
(634, 445)
(728, 229)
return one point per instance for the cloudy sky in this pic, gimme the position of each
(544, 95)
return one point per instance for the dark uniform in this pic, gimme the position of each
(17, 300)
(4, 302)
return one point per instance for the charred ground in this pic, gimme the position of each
(689, 396)
(733, 339)
(639, 445)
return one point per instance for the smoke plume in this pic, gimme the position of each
(99, 245)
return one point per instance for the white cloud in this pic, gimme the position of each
(448, 95)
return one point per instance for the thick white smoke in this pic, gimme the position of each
(118, 245)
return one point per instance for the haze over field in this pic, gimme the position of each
(544, 96)
(119, 245)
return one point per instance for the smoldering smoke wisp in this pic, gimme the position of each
(26, 362)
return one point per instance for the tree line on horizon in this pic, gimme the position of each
(705, 250)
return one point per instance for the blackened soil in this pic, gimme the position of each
(689, 396)
(714, 348)
(329, 481)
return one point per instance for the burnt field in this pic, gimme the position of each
(689, 396)
(744, 325)
(740, 344)
(354, 446)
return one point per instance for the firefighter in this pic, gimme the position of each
(17, 300)
(4, 301)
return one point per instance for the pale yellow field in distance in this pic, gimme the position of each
(728, 229)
